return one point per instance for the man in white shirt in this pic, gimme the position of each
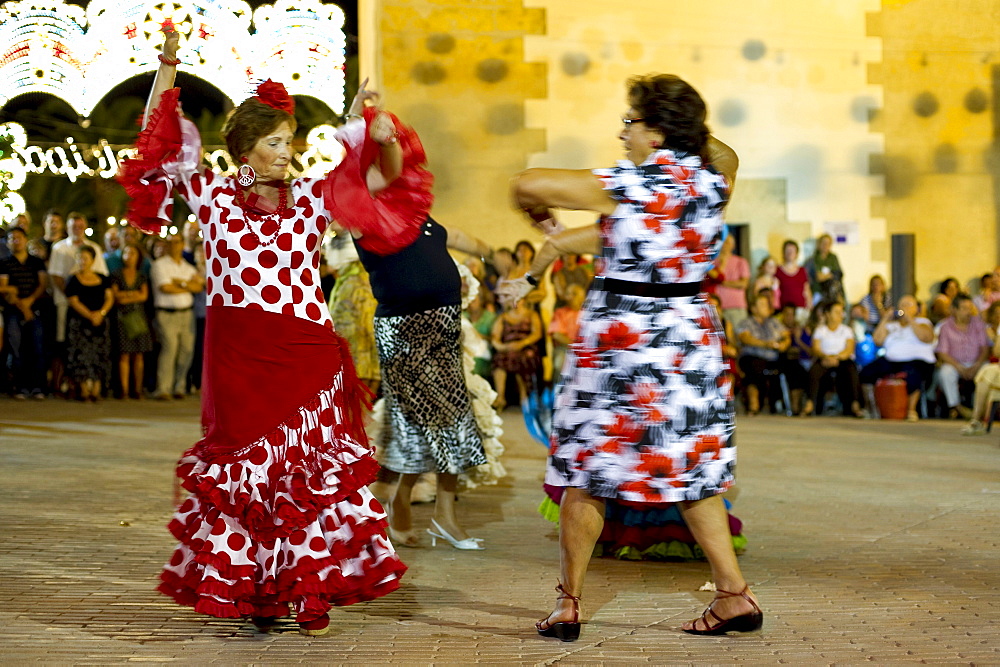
(174, 282)
(62, 262)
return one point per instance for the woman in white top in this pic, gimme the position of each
(909, 348)
(833, 351)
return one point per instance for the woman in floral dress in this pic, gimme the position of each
(279, 517)
(646, 412)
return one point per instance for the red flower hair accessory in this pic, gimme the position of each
(274, 95)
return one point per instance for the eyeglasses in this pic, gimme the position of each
(627, 122)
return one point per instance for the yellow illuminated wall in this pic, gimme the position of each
(823, 100)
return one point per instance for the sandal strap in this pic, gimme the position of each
(567, 596)
(741, 594)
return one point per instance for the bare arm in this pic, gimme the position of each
(537, 190)
(723, 158)
(924, 331)
(462, 242)
(164, 80)
(578, 241)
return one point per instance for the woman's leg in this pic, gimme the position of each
(444, 506)
(500, 384)
(849, 388)
(816, 374)
(124, 373)
(138, 372)
(401, 518)
(581, 520)
(709, 523)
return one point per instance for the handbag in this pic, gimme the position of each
(134, 323)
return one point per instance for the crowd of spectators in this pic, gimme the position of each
(126, 320)
(88, 322)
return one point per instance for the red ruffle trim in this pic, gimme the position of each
(159, 142)
(237, 594)
(297, 485)
(391, 220)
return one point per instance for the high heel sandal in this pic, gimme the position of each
(748, 622)
(567, 632)
(469, 543)
(405, 538)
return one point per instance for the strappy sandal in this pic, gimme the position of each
(748, 622)
(567, 632)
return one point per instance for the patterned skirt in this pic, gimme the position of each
(88, 350)
(428, 424)
(645, 412)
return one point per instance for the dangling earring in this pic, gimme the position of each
(245, 176)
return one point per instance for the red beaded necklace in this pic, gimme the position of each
(252, 212)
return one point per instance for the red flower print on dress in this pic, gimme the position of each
(624, 429)
(612, 446)
(705, 444)
(649, 493)
(666, 205)
(619, 337)
(656, 465)
(586, 357)
(653, 223)
(690, 240)
(647, 396)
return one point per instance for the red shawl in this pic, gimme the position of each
(391, 220)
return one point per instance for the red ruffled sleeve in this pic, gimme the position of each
(391, 220)
(168, 153)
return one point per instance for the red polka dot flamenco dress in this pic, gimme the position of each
(278, 515)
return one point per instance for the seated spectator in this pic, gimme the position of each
(23, 280)
(763, 339)
(876, 303)
(766, 279)
(908, 341)
(962, 348)
(991, 318)
(88, 341)
(833, 354)
(564, 325)
(514, 337)
(734, 277)
(987, 379)
(988, 293)
(729, 351)
(940, 307)
(130, 288)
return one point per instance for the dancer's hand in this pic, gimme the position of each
(510, 292)
(543, 219)
(170, 43)
(362, 98)
(382, 130)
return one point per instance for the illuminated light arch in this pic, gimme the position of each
(79, 56)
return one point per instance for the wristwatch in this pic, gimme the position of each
(532, 280)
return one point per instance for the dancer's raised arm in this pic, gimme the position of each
(164, 80)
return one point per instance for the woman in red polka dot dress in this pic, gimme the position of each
(279, 515)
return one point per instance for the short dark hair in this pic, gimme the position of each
(671, 105)
(959, 300)
(17, 229)
(87, 249)
(790, 242)
(250, 121)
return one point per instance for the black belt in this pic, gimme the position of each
(654, 290)
(175, 310)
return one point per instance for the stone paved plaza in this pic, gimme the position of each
(869, 542)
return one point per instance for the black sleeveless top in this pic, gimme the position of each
(422, 276)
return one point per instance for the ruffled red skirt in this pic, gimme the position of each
(280, 516)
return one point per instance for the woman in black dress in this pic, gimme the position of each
(130, 288)
(88, 342)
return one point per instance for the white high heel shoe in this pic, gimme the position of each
(469, 543)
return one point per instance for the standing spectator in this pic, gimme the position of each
(130, 287)
(734, 275)
(194, 254)
(826, 279)
(941, 304)
(481, 313)
(514, 337)
(767, 280)
(54, 229)
(22, 284)
(909, 349)
(963, 347)
(174, 284)
(833, 353)
(730, 353)
(62, 263)
(113, 250)
(793, 280)
(88, 341)
(876, 303)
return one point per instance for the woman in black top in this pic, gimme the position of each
(88, 341)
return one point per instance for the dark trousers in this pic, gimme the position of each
(844, 377)
(26, 345)
(918, 373)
